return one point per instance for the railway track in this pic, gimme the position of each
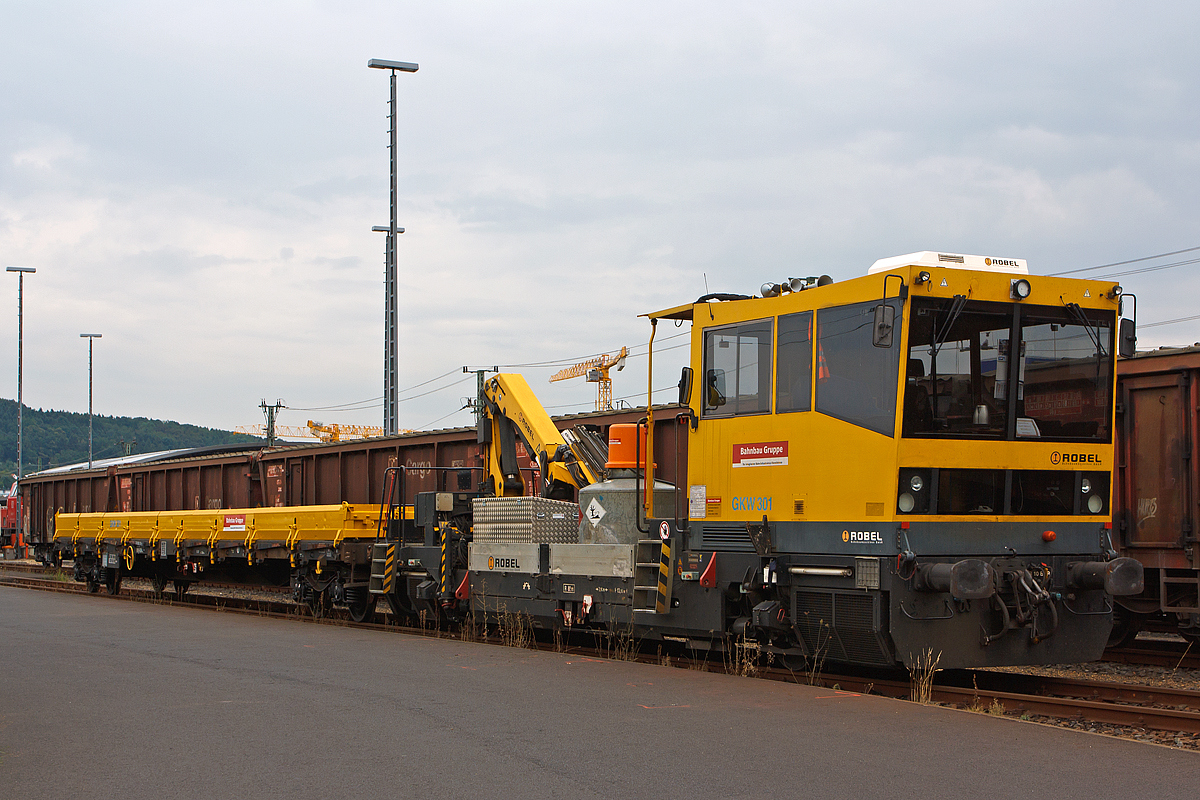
(1173, 655)
(1121, 704)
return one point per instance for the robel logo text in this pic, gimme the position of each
(1075, 458)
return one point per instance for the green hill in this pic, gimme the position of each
(57, 438)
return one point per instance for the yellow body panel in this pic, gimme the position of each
(839, 471)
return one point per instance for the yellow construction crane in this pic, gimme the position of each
(596, 370)
(281, 431)
(330, 432)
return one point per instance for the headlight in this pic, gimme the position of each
(1085, 486)
(914, 492)
(1095, 504)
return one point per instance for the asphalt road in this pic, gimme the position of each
(109, 699)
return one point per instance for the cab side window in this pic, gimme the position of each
(737, 369)
(856, 379)
(793, 372)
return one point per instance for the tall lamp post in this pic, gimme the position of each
(390, 344)
(90, 337)
(20, 356)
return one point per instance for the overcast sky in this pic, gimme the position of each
(198, 182)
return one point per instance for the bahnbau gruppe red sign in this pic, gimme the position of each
(760, 454)
(235, 522)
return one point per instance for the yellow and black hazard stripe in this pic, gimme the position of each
(445, 576)
(663, 599)
(389, 569)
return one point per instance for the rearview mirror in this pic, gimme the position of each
(1127, 338)
(885, 323)
(685, 386)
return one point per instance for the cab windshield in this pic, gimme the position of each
(965, 379)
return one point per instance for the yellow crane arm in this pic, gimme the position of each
(511, 410)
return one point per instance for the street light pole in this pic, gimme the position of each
(90, 337)
(20, 356)
(390, 343)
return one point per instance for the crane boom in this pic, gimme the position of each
(512, 410)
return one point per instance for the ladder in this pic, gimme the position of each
(383, 567)
(652, 577)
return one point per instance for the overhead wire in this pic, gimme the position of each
(1133, 261)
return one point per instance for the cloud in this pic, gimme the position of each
(199, 183)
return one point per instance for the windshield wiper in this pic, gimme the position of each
(939, 336)
(1093, 332)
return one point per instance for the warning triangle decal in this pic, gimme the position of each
(944, 282)
(1087, 293)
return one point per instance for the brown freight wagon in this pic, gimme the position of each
(1156, 500)
(238, 476)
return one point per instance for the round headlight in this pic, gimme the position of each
(1021, 289)
(906, 502)
(1095, 504)
(916, 483)
(1085, 486)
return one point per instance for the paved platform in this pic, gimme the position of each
(104, 698)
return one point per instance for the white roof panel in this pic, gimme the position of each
(932, 258)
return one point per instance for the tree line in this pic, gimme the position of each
(59, 438)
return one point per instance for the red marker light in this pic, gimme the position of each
(1048, 536)
(904, 526)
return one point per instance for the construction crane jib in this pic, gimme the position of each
(596, 370)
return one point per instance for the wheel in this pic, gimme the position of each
(363, 609)
(159, 584)
(93, 586)
(181, 588)
(1126, 625)
(112, 581)
(318, 603)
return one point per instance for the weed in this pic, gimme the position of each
(516, 630)
(976, 705)
(996, 708)
(817, 661)
(923, 668)
(741, 656)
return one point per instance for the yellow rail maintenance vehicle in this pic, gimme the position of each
(911, 464)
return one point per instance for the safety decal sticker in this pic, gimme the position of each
(697, 494)
(595, 512)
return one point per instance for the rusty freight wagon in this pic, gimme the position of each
(1156, 505)
(240, 476)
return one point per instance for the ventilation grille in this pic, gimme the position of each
(951, 258)
(798, 507)
(843, 626)
(729, 536)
